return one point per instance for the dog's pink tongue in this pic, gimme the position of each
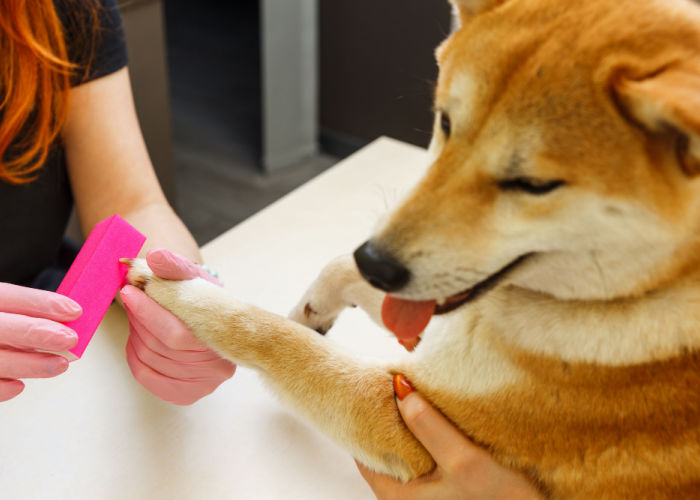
(406, 318)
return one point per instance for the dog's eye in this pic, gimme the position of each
(445, 124)
(530, 185)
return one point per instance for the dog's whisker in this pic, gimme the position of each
(603, 281)
(462, 269)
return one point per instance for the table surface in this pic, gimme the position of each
(94, 432)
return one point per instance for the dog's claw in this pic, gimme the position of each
(139, 274)
(139, 282)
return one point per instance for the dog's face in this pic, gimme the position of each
(565, 153)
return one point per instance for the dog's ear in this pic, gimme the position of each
(668, 100)
(468, 8)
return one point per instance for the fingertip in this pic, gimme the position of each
(161, 262)
(402, 387)
(129, 295)
(60, 339)
(168, 265)
(125, 292)
(57, 365)
(68, 308)
(159, 256)
(10, 388)
(223, 369)
(49, 365)
(412, 407)
(71, 337)
(41, 335)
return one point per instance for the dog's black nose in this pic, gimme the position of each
(381, 269)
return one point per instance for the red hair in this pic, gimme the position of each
(35, 73)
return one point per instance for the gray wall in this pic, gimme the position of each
(378, 68)
(289, 49)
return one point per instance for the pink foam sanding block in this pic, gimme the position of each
(96, 275)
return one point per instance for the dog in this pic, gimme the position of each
(556, 240)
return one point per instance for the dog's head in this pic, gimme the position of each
(565, 155)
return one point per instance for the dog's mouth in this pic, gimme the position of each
(459, 299)
(407, 318)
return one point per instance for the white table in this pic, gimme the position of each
(95, 433)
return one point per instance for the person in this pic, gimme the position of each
(69, 135)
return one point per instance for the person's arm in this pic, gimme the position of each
(464, 471)
(110, 172)
(109, 167)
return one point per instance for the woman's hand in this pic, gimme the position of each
(464, 471)
(163, 354)
(30, 320)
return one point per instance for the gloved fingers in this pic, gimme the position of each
(166, 327)
(10, 388)
(156, 345)
(38, 303)
(25, 332)
(216, 369)
(171, 266)
(177, 391)
(21, 364)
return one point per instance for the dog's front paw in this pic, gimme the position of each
(205, 308)
(167, 293)
(327, 296)
(234, 329)
(312, 311)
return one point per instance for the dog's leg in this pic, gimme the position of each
(339, 285)
(349, 399)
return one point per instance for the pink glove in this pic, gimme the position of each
(30, 320)
(163, 354)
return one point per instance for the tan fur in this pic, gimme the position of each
(582, 367)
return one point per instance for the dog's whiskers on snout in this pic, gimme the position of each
(477, 272)
(603, 281)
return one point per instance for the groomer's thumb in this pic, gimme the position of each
(171, 266)
(445, 442)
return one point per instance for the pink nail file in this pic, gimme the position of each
(96, 276)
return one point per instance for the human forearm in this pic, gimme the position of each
(109, 167)
(163, 229)
(111, 173)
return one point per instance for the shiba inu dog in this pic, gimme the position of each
(557, 237)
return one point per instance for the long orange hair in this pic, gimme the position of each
(35, 77)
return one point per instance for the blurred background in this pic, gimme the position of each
(241, 102)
